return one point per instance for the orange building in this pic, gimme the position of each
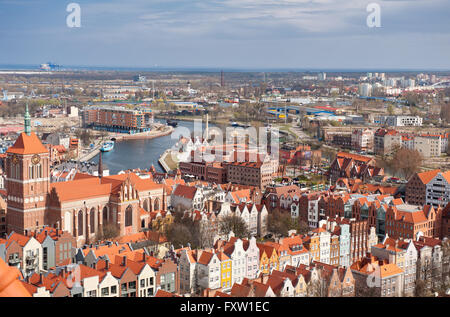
(116, 119)
(81, 207)
(406, 221)
(268, 258)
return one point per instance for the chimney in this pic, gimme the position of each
(106, 264)
(124, 261)
(144, 257)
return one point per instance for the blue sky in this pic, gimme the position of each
(317, 34)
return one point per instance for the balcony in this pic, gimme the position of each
(31, 256)
(13, 261)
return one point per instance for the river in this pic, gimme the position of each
(129, 154)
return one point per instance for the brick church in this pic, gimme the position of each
(81, 206)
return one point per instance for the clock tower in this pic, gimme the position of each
(27, 181)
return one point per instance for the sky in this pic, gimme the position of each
(247, 34)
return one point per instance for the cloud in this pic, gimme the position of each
(196, 31)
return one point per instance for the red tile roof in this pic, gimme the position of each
(27, 144)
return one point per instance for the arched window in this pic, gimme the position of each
(146, 204)
(128, 216)
(38, 171)
(92, 220)
(156, 204)
(105, 215)
(80, 223)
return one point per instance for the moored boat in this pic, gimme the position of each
(107, 146)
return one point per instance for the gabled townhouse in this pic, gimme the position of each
(188, 270)
(340, 241)
(91, 255)
(339, 282)
(11, 252)
(298, 281)
(126, 277)
(268, 258)
(145, 277)
(281, 197)
(313, 213)
(334, 249)
(263, 220)
(255, 216)
(429, 262)
(251, 288)
(226, 269)
(166, 273)
(404, 254)
(108, 285)
(325, 244)
(54, 284)
(319, 241)
(82, 281)
(312, 244)
(234, 248)
(242, 196)
(298, 254)
(284, 258)
(32, 255)
(375, 277)
(56, 246)
(252, 258)
(187, 197)
(208, 270)
(281, 286)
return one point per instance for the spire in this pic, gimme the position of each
(100, 166)
(27, 121)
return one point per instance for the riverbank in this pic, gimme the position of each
(162, 161)
(91, 155)
(193, 118)
(119, 137)
(145, 135)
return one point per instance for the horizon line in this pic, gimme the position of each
(219, 68)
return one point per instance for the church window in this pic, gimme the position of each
(128, 216)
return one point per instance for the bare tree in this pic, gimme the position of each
(108, 232)
(407, 161)
(233, 223)
(318, 287)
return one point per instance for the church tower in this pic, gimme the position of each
(27, 182)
